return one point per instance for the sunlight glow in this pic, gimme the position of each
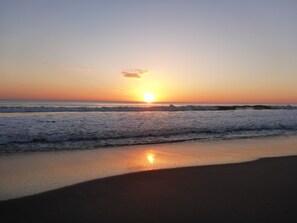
(149, 97)
(151, 158)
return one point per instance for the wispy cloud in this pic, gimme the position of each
(136, 73)
(84, 69)
(66, 68)
(76, 69)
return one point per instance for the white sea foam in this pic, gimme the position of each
(21, 132)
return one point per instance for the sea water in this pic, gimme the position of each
(27, 126)
(46, 145)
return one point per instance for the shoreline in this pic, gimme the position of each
(257, 191)
(26, 174)
(3, 154)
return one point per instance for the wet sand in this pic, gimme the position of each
(26, 174)
(257, 191)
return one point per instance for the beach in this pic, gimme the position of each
(148, 111)
(218, 181)
(28, 173)
(257, 191)
(78, 164)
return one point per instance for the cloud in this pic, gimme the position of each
(85, 69)
(137, 73)
(70, 69)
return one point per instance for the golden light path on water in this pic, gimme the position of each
(31, 173)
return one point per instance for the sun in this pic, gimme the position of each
(149, 97)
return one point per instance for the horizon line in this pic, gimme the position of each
(139, 102)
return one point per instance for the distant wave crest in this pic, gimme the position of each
(18, 109)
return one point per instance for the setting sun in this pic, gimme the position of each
(149, 97)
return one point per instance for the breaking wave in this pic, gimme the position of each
(86, 130)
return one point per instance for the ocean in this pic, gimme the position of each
(27, 126)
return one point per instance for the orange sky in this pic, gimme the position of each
(128, 89)
(186, 51)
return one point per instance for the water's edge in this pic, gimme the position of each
(35, 172)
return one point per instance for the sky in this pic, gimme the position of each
(210, 51)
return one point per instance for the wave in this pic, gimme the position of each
(119, 127)
(25, 143)
(22, 109)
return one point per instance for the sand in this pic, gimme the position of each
(259, 191)
(31, 173)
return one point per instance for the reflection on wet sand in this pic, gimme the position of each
(25, 174)
(150, 158)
